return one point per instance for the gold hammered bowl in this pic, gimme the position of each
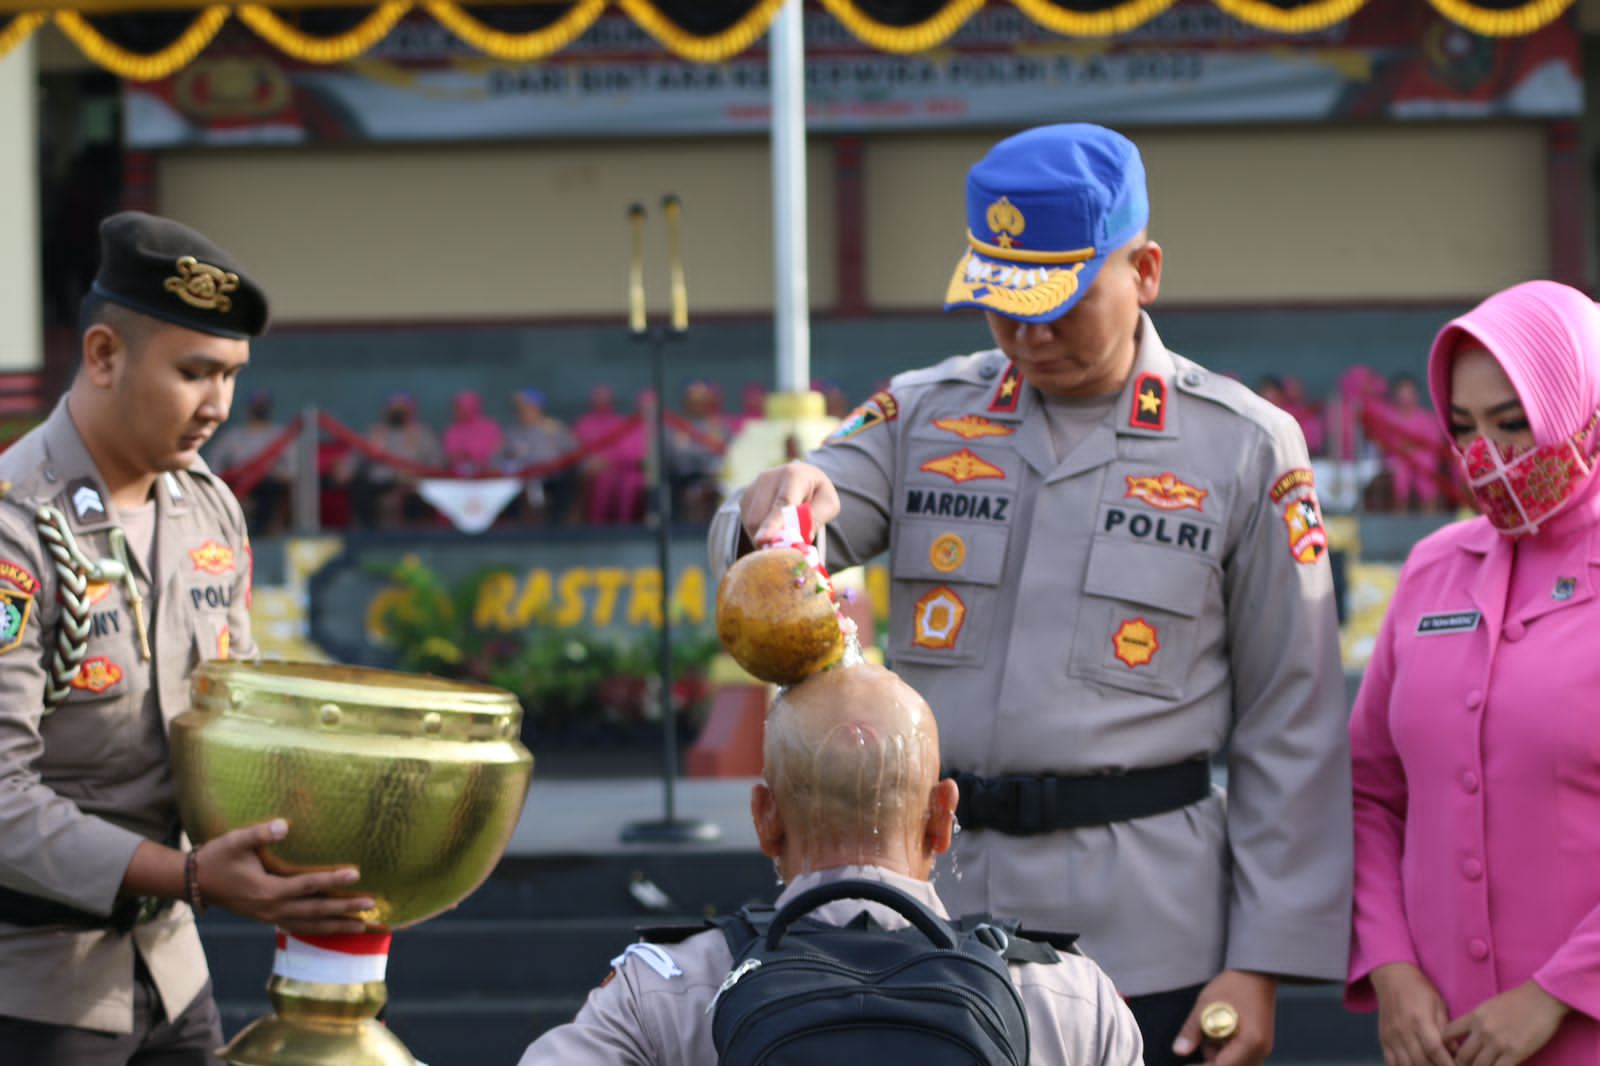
(416, 780)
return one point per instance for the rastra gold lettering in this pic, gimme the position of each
(597, 596)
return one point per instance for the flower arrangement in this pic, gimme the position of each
(574, 684)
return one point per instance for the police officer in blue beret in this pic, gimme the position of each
(124, 563)
(1108, 567)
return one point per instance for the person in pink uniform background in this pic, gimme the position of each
(472, 442)
(1476, 734)
(1412, 448)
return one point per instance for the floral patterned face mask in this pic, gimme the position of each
(1519, 490)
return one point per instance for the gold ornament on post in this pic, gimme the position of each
(678, 319)
(637, 324)
(417, 781)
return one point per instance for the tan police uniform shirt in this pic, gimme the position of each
(82, 786)
(1155, 596)
(653, 1009)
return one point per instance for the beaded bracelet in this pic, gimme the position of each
(191, 881)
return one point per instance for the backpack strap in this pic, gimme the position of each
(743, 928)
(1015, 944)
(671, 934)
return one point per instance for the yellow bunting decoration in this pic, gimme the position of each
(929, 33)
(133, 66)
(1497, 22)
(516, 47)
(1056, 16)
(19, 29)
(711, 49)
(342, 48)
(1111, 21)
(1305, 19)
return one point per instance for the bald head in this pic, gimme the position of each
(852, 764)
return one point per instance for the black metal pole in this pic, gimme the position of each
(663, 487)
(670, 829)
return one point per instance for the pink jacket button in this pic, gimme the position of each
(1472, 869)
(1514, 630)
(1469, 781)
(1478, 948)
(1474, 699)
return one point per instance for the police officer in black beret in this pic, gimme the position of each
(124, 563)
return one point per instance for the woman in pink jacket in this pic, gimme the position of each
(1476, 735)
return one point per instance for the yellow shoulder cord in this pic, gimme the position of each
(76, 571)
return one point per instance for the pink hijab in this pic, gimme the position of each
(1546, 336)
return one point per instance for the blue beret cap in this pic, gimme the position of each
(1044, 210)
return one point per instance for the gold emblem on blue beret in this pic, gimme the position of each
(202, 285)
(1005, 219)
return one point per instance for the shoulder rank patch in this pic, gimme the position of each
(97, 674)
(969, 427)
(1135, 642)
(1008, 393)
(20, 577)
(213, 558)
(937, 618)
(1166, 492)
(653, 956)
(963, 466)
(1296, 491)
(86, 501)
(1149, 403)
(14, 610)
(877, 411)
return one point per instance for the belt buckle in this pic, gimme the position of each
(993, 804)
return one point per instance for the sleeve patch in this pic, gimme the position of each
(14, 610)
(1295, 493)
(880, 410)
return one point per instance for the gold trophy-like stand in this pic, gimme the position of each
(417, 781)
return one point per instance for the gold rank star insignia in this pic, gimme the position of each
(963, 466)
(1149, 403)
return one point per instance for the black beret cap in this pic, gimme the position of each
(166, 270)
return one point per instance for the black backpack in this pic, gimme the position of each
(937, 993)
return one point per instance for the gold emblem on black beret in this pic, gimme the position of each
(202, 285)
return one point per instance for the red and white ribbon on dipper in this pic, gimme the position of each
(338, 959)
(799, 532)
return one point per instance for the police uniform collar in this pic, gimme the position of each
(79, 490)
(1144, 409)
(920, 890)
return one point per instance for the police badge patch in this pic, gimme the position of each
(1296, 492)
(14, 610)
(878, 410)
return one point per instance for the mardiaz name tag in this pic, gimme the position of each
(1433, 625)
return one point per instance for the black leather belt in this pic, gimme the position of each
(21, 908)
(1025, 804)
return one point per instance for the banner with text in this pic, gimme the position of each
(1193, 64)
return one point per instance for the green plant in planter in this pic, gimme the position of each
(570, 681)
